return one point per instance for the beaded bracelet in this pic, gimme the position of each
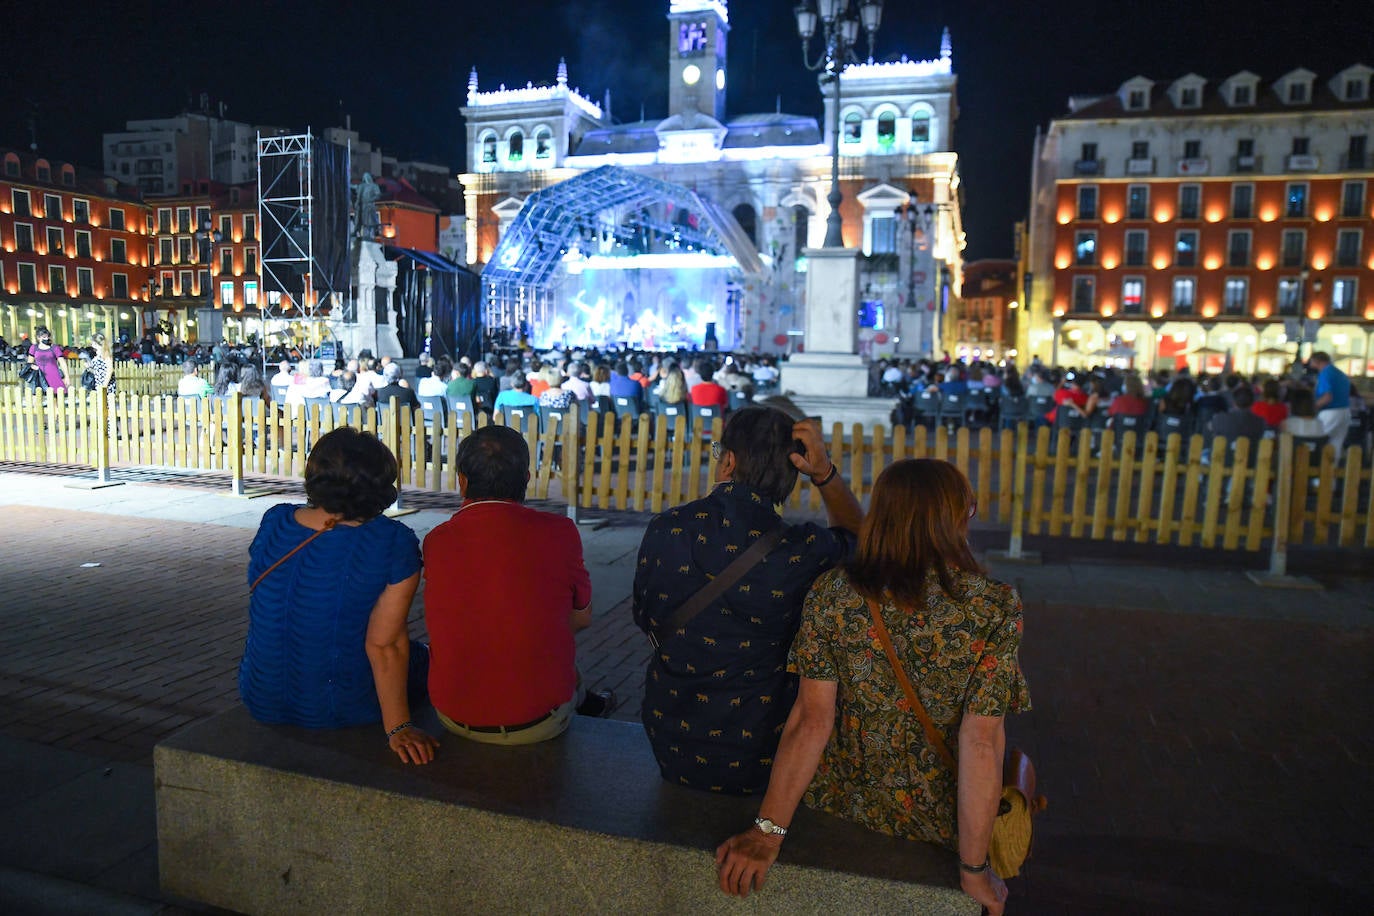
(400, 728)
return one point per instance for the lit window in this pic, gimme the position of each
(250, 293)
(1137, 201)
(1085, 249)
(1236, 296)
(1297, 199)
(887, 130)
(883, 232)
(1132, 295)
(515, 147)
(1290, 296)
(853, 127)
(1343, 296)
(1185, 249)
(920, 128)
(489, 148)
(226, 293)
(1185, 294)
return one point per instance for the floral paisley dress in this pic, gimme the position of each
(878, 769)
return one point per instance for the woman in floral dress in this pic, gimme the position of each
(852, 747)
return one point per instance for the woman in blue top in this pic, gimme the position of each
(331, 584)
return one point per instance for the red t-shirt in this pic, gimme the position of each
(501, 583)
(709, 394)
(1272, 414)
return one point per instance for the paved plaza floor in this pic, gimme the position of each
(1205, 742)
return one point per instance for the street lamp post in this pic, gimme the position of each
(839, 34)
(208, 239)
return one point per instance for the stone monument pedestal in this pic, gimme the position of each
(830, 366)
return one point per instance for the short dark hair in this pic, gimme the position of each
(1243, 397)
(496, 462)
(350, 473)
(761, 440)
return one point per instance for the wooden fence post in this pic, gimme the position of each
(1014, 552)
(1277, 574)
(235, 445)
(391, 436)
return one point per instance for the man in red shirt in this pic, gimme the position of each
(708, 393)
(505, 590)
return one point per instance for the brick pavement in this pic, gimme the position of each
(1205, 744)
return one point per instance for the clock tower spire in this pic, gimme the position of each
(696, 56)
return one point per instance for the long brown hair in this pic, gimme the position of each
(918, 521)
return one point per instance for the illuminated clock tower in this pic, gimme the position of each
(696, 56)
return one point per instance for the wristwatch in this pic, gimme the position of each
(768, 827)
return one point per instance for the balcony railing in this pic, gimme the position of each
(1244, 164)
(1087, 167)
(1355, 162)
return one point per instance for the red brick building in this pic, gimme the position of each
(74, 250)
(1196, 222)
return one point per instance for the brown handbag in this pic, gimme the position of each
(1011, 830)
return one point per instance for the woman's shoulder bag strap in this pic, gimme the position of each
(932, 735)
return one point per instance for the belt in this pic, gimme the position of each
(502, 729)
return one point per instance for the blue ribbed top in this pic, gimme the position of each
(304, 662)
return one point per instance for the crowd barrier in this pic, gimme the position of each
(1240, 496)
(133, 378)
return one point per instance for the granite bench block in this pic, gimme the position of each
(262, 819)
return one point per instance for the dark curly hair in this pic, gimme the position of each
(761, 440)
(495, 461)
(350, 473)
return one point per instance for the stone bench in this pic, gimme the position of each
(262, 819)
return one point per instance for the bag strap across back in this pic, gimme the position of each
(328, 524)
(717, 586)
(932, 735)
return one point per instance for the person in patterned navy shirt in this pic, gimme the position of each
(717, 691)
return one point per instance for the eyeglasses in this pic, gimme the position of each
(716, 451)
(973, 509)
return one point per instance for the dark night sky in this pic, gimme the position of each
(401, 69)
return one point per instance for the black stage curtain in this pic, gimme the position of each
(412, 300)
(329, 216)
(467, 317)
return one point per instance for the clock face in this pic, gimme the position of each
(690, 74)
(691, 38)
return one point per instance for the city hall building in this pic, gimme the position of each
(694, 225)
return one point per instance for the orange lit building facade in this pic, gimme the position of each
(73, 251)
(195, 307)
(1191, 223)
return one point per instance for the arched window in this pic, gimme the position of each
(920, 127)
(68, 176)
(748, 221)
(887, 130)
(800, 229)
(489, 148)
(516, 147)
(853, 127)
(43, 170)
(543, 143)
(11, 165)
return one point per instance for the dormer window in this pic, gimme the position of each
(1135, 100)
(1356, 90)
(1241, 95)
(1188, 98)
(1297, 93)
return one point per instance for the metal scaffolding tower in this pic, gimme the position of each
(295, 287)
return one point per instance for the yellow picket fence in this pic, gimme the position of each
(130, 377)
(1150, 490)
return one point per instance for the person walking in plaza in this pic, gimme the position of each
(717, 691)
(1332, 400)
(852, 746)
(331, 584)
(47, 359)
(506, 590)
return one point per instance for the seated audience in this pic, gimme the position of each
(326, 650)
(853, 746)
(503, 667)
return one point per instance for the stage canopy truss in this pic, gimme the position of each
(610, 254)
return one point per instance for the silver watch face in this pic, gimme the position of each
(768, 826)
